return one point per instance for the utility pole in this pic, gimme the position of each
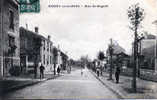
(135, 60)
(111, 62)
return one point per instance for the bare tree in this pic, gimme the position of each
(135, 15)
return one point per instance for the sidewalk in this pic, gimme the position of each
(14, 83)
(145, 89)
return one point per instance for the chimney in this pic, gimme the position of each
(26, 26)
(49, 37)
(36, 30)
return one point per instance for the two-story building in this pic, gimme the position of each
(35, 50)
(9, 36)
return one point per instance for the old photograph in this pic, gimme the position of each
(78, 49)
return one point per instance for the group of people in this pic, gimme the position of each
(42, 68)
(117, 73)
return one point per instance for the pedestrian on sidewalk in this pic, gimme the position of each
(117, 74)
(81, 72)
(58, 70)
(97, 71)
(42, 68)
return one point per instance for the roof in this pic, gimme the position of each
(123, 54)
(149, 36)
(33, 33)
(116, 49)
(13, 3)
(63, 54)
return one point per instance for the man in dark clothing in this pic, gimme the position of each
(97, 70)
(58, 70)
(42, 68)
(117, 74)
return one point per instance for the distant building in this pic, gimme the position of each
(35, 50)
(61, 59)
(155, 22)
(116, 50)
(64, 58)
(9, 36)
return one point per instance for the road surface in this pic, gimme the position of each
(68, 86)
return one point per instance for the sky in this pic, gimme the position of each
(86, 31)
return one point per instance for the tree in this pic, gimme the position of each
(84, 61)
(135, 15)
(101, 57)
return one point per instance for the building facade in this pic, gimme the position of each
(155, 22)
(35, 50)
(9, 36)
(47, 54)
(64, 59)
(148, 51)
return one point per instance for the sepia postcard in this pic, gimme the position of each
(78, 49)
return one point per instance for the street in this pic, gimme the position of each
(68, 86)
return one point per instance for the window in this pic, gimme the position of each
(47, 60)
(11, 41)
(51, 47)
(44, 59)
(50, 60)
(44, 45)
(12, 46)
(25, 42)
(47, 46)
(11, 19)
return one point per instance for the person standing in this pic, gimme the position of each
(42, 68)
(97, 71)
(117, 74)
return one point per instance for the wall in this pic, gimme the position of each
(7, 6)
(1, 48)
(47, 61)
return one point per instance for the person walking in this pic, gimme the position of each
(42, 68)
(58, 70)
(117, 74)
(97, 71)
(81, 72)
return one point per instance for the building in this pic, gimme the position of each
(117, 49)
(148, 51)
(35, 50)
(47, 54)
(64, 58)
(9, 36)
(155, 22)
